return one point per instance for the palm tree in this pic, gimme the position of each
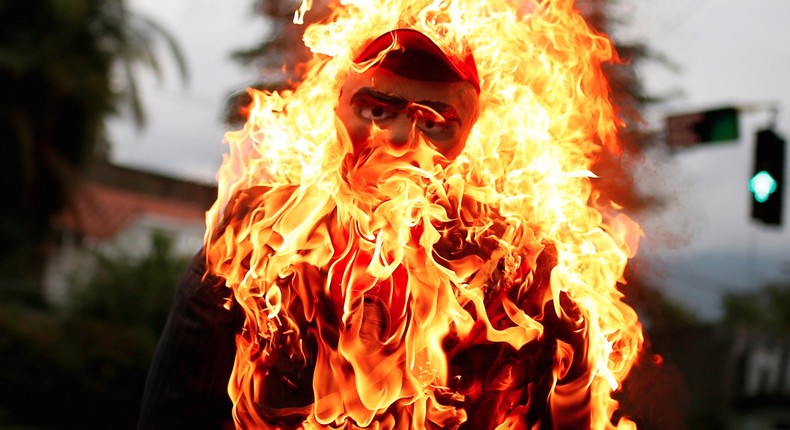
(65, 67)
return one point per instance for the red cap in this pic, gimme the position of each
(415, 56)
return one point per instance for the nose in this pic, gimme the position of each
(400, 133)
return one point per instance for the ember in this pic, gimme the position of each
(426, 287)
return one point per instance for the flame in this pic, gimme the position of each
(494, 276)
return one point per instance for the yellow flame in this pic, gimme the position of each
(506, 251)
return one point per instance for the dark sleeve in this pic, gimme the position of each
(188, 379)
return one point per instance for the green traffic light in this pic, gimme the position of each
(762, 185)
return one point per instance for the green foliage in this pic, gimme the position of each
(80, 373)
(766, 309)
(130, 292)
(85, 364)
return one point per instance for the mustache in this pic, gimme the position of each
(375, 169)
(378, 162)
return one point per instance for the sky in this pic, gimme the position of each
(183, 133)
(728, 53)
(725, 52)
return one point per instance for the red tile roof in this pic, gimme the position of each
(101, 212)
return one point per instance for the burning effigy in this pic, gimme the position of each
(461, 274)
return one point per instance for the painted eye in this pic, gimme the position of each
(376, 113)
(436, 130)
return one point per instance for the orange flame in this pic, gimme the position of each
(495, 275)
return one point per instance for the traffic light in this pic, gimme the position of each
(767, 178)
(706, 127)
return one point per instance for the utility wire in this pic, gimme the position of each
(678, 20)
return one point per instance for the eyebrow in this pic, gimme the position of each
(369, 97)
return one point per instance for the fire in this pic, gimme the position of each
(495, 275)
